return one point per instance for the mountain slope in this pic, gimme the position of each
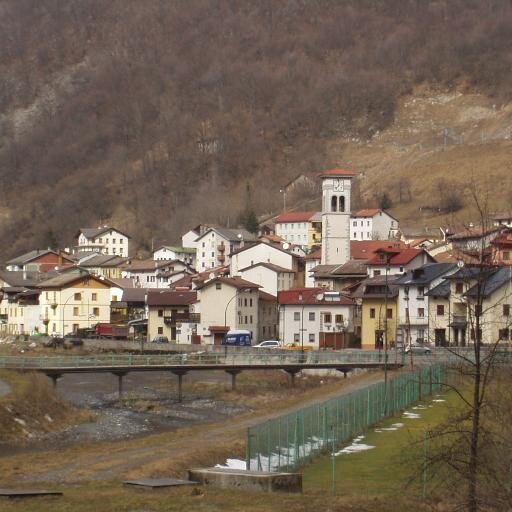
(157, 115)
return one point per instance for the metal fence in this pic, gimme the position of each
(257, 358)
(288, 442)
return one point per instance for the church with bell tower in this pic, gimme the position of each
(336, 209)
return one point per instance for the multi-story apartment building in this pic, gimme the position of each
(227, 303)
(414, 312)
(104, 239)
(315, 318)
(73, 300)
(214, 246)
(372, 224)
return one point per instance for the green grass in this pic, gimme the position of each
(113, 497)
(393, 467)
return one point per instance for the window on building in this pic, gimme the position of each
(376, 272)
(120, 250)
(372, 312)
(250, 319)
(160, 330)
(311, 316)
(421, 312)
(245, 318)
(296, 316)
(94, 297)
(421, 335)
(421, 292)
(296, 337)
(355, 235)
(440, 309)
(342, 203)
(250, 303)
(245, 302)
(354, 223)
(96, 311)
(160, 312)
(459, 287)
(213, 254)
(506, 255)
(78, 296)
(327, 318)
(218, 286)
(75, 311)
(506, 309)
(46, 295)
(334, 204)
(503, 334)
(311, 337)
(389, 313)
(338, 319)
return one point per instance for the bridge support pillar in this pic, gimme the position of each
(233, 374)
(292, 372)
(120, 376)
(179, 374)
(55, 377)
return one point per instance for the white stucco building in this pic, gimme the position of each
(372, 224)
(216, 244)
(295, 227)
(413, 301)
(104, 239)
(171, 252)
(315, 318)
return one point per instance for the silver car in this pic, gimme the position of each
(418, 348)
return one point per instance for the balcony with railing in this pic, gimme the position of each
(182, 317)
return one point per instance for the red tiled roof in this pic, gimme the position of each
(310, 296)
(337, 172)
(503, 239)
(267, 296)
(365, 249)
(315, 255)
(294, 217)
(369, 212)
(400, 257)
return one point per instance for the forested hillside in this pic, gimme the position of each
(157, 114)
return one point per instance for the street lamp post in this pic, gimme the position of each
(63, 310)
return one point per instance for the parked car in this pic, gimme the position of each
(418, 348)
(160, 339)
(268, 344)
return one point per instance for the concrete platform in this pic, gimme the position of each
(247, 480)
(27, 493)
(157, 483)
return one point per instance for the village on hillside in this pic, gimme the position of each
(332, 279)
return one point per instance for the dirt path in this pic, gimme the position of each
(142, 458)
(5, 389)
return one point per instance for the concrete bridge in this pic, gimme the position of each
(291, 362)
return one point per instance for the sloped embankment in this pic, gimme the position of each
(30, 408)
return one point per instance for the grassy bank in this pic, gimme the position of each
(394, 466)
(32, 408)
(112, 497)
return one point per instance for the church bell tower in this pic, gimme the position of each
(336, 186)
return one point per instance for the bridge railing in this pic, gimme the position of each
(218, 359)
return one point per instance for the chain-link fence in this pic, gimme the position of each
(290, 441)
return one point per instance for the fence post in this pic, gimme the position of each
(248, 450)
